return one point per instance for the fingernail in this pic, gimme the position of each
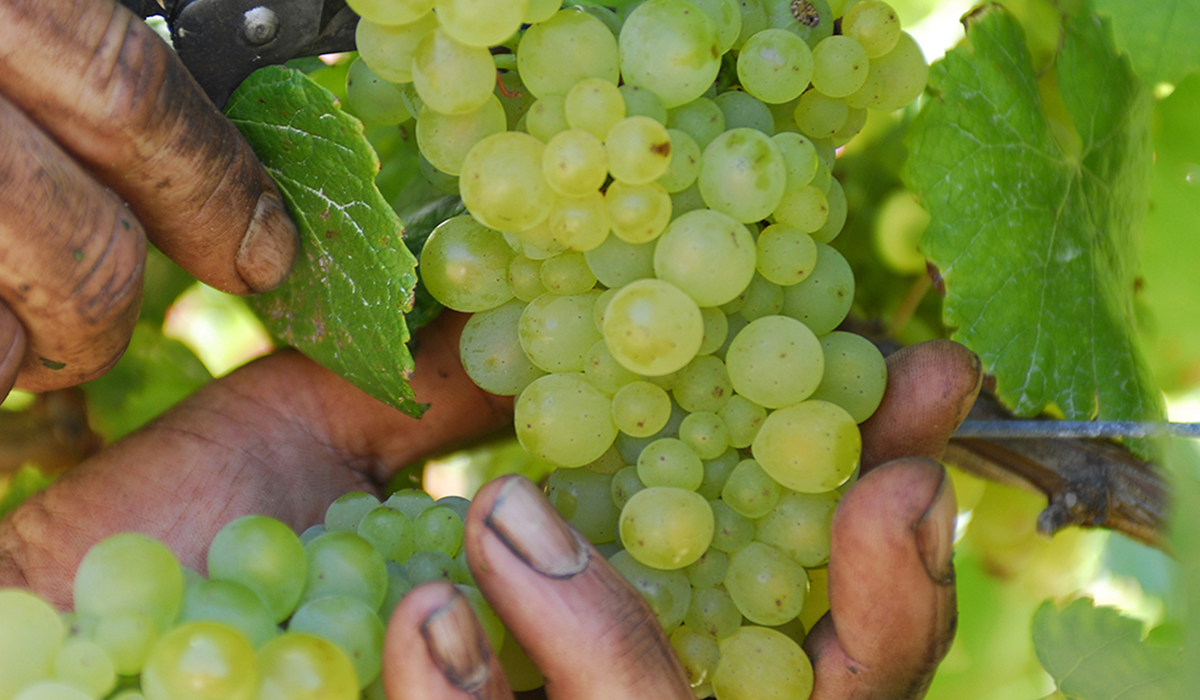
(935, 534)
(12, 349)
(534, 531)
(269, 247)
(457, 644)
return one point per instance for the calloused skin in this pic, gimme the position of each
(107, 143)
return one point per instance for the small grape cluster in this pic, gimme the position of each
(646, 255)
(279, 617)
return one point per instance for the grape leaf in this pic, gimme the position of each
(345, 301)
(1095, 654)
(1160, 36)
(1037, 241)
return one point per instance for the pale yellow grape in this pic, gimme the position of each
(873, 24)
(201, 660)
(567, 273)
(579, 223)
(775, 361)
(703, 385)
(465, 265)
(445, 139)
(811, 447)
(639, 150)
(373, 99)
(744, 418)
(707, 254)
(697, 652)
(297, 666)
(726, 16)
(502, 184)
(51, 690)
(575, 163)
(820, 116)
(391, 12)
(840, 66)
(81, 663)
(754, 20)
(637, 213)
(491, 351)
(685, 162)
(901, 74)
(616, 263)
(786, 255)
(481, 23)
(129, 572)
(541, 10)
(835, 201)
(761, 298)
(743, 174)
(525, 277)
(806, 209)
(556, 331)
(766, 585)
(855, 374)
(666, 528)
(761, 664)
(641, 409)
(561, 51)
(800, 158)
(775, 65)
(450, 76)
(856, 119)
(564, 420)
(535, 243)
(823, 299)
(652, 328)
(602, 369)
(799, 526)
(594, 105)
(32, 635)
(716, 327)
(546, 118)
(670, 48)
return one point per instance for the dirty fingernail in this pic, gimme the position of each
(269, 247)
(535, 532)
(457, 645)
(935, 534)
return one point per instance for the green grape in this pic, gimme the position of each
(583, 497)
(594, 105)
(296, 666)
(129, 572)
(743, 417)
(709, 570)
(686, 200)
(775, 361)
(817, 602)
(342, 563)
(564, 420)
(743, 174)
(704, 385)
(743, 110)
(502, 183)
(347, 510)
(767, 586)
(701, 119)
(706, 433)
(411, 502)
(373, 99)
(726, 16)
(824, 176)
(762, 298)
(438, 529)
(427, 565)
(835, 200)
(312, 533)
(445, 139)
(684, 166)
(806, 209)
(350, 625)
(127, 638)
(750, 490)
(388, 49)
(561, 51)
(840, 66)
(458, 504)
(491, 351)
(823, 299)
(574, 163)
(732, 531)
(698, 654)
(799, 526)
(799, 157)
(896, 78)
(762, 664)
(525, 278)
(669, 462)
(856, 119)
(736, 322)
(33, 632)
(820, 116)
(579, 224)
(666, 528)
(482, 23)
(818, 18)
(200, 660)
(536, 243)
(707, 254)
(567, 273)
(617, 262)
(641, 409)
(547, 117)
(668, 592)
(754, 20)
(716, 472)
(389, 531)
(398, 587)
(716, 327)
(811, 447)
(630, 447)
(786, 255)
(608, 463)
(855, 374)
(668, 47)
(451, 77)
(642, 102)
(557, 331)
(438, 180)
(625, 483)
(874, 25)
(652, 327)
(230, 604)
(391, 11)
(51, 690)
(775, 65)
(603, 370)
(465, 265)
(637, 213)
(639, 150)
(540, 10)
(712, 611)
(82, 664)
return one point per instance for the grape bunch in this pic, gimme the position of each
(280, 616)
(646, 257)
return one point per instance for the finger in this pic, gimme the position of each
(930, 389)
(12, 349)
(891, 586)
(71, 260)
(114, 95)
(588, 631)
(282, 437)
(436, 650)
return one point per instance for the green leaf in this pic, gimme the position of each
(1160, 36)
(1037, 241)
(1095, 654)
(345, 301)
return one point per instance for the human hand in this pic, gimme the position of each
(107, 142)
(253, 443)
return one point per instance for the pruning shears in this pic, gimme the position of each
(223, 41)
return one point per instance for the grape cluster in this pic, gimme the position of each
(280, 616)
(646, 255)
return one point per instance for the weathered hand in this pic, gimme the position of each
(105, 141)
